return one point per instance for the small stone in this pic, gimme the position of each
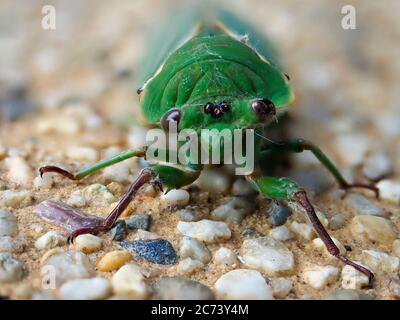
(100, 191)
(19, 171)
(380, 261)
(242, 188)
(11, 269)
(281, 233)
(337, 221)
(146, 235)
(137, 137)
(213, 180)
(394, 288)
(84, 154)
(251, 233)
(319, 277)
(188, 266)
(158, 251)
(86, 289)
(68, 265)
(353, 279)
(376, 166)
(319, 244)
(303, 229)
(267, 255)
(15, 199)
(205, 230)
(347, 294)
(351, 148)
(87, 243)
(8, 244)
(373, 228)
(233, 210)
(45, 182)
(278, 213)
(58, 124)
(114, 260)
(396, 247)
(138, 221)
(281, 287)
(243, 284)
(363, 206)
(177, 288)
(176, 197)
(3, 152)
(50, 240)
(323, 219)
(8, 224)
(129, 281)
(225, 256)
(77, 199)
(189, 215)
(389, 190)
(192, 248)
(119, 232)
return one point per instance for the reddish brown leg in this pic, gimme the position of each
(302, 199)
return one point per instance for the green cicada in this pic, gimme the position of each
(214, 73)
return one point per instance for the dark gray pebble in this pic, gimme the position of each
(278, 213)
(138, 221)
(119, 231)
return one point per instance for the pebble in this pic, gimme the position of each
(373, 228)
(192, 248)
(347, 294)
(77, 199)
(278, 213)
(205, 230)
(119, 172)
(213, 180)
(337, 221)
(176, 197)
(363, 206)
(139, 221)
(242, 188)
(87, 243)
(380, 261)
(15, 199)
(86, 289)
(281, 233)
(83, 154)
(394, 288)
(146, 235)
(351, 148)
(68, 265)
(267, 255)
(8, 224)
(389, 190)
(137, 137)
(188, 266)
(319, 244)
(177, 288)
(119, 232)
(376, 166)
(58, 124)
(281, 287)
(11, 269)
(319, 277)
(303, 230)
(353, 279)
(189, 215)
(233, 210)
(45, 182)
(3, 152)
(50, 240)
(225, 256)
(9, 244)
(158, 251)
(396, 247)
(114, 260)
(19, 171)
(243, 284)
(129, 281)
(100, 190)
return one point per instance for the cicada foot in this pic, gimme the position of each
(361, 185)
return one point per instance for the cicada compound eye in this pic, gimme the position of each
(170, 118)
(263, 108)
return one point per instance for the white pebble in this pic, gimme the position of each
(15, 199)
(281, 287)
(11, 269)
(87, 243)
(376, 166)
(380, 261)
(177, 197)
(8, 244)
(137, 137)
(267, 255)
(303, 229)
(19, 171)
(129, 281)
(77, 199)
(84, 154)
(373, 228)
(205, 230)
(234, 209)
(188, 266)
(389, 190)
(281, 233)
(319, 277)
(353, 279)
(225, 256)
(50, 240)
(58, 124)
(86, 289)
(213, 180)
(45, 182)
(351, 148)
(193, 248)
(396, 247)
(100, 190)
(319, 244)
(146, 235)
(243, 284)
(8, 224)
